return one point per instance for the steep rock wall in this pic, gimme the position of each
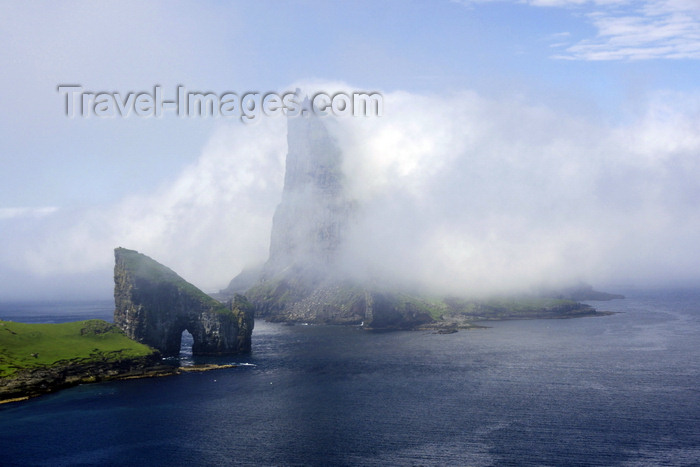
(154, 305)
(302, 280)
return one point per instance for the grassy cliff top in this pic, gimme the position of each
(143, 267)
(30, 346)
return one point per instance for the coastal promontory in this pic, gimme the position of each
(154, 305)
(40, 358)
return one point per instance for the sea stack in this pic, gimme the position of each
(302, 280)
(309, 221)
(153, 305)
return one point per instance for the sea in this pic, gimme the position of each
(617, 390)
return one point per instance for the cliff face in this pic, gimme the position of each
(300, 280)
(308, 223)
(339, 302)
(154, 305)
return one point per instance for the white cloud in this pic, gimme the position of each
(471, 194)
(628, 30)
(652, 29)
(460, 192)
(211, 221)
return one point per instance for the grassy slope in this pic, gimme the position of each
(26, 346)
(517, 307)
(146, 268)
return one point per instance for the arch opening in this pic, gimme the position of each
(186, 342)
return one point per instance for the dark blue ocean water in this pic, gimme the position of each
(621, 390)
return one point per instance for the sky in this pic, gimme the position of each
(522, 142)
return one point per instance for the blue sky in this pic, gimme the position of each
(625, 73)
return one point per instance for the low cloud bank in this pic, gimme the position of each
(469, 194)
(459, 193)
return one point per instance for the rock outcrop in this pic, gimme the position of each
(338, 302)
(585, 292)
(301, 280)
(154, 305)
(308, 223)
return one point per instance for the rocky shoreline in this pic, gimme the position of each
(27, 384)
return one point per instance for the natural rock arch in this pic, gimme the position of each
(154, 305)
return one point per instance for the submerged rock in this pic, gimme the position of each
(154, 305)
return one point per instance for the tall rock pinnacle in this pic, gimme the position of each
(301, 280)
(308, 222)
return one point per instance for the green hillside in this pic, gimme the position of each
(30, 346)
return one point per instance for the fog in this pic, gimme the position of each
(458, 192)
(476, 195)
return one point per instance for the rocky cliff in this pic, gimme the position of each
(340, 302)
(308, 224)
(154, 305)
(301, 282)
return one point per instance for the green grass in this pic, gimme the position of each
(279, 293)
(513, 307)
(529, 304)
(28, 346)
(146, 268)
(423, 304)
